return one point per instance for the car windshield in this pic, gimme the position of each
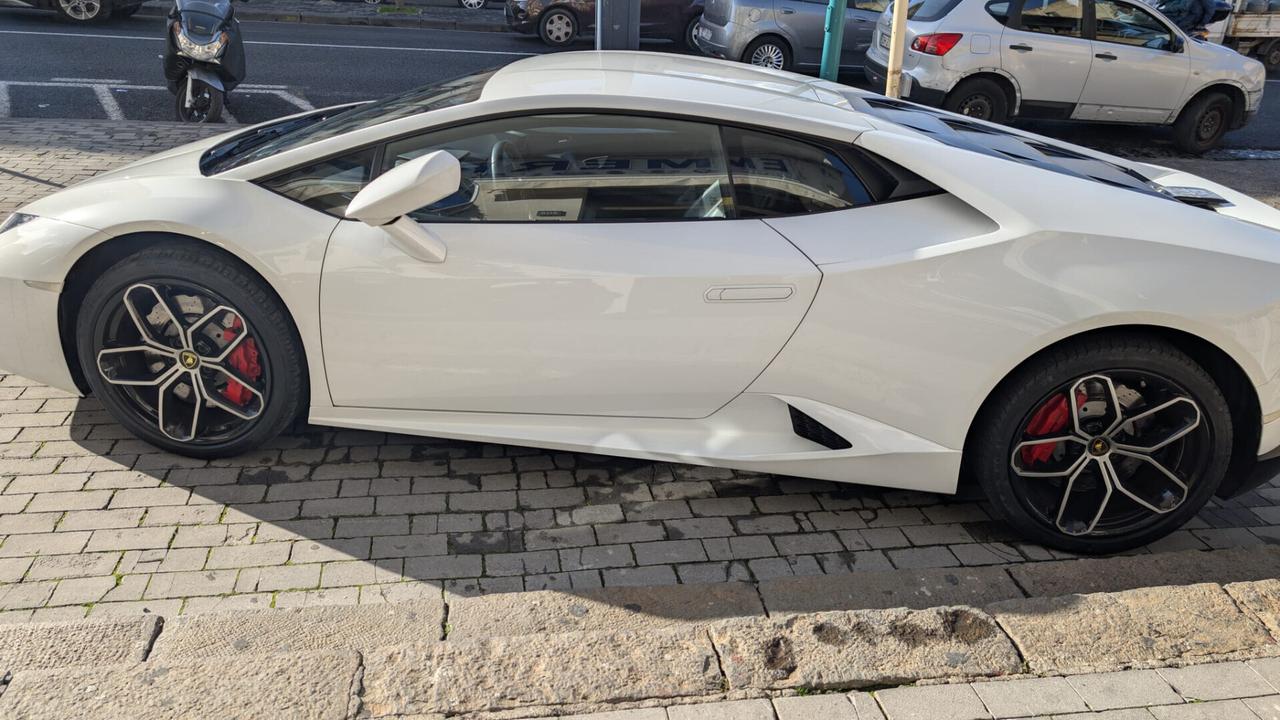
(277, 138)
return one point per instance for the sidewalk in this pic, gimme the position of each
(435, 14)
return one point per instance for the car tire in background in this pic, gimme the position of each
(689, 31)
(1202, 123)
(191, 351)
(558, 28)
(980, 98)
(1077, 447)
(83, 12)
(472, 4)
(769, 51)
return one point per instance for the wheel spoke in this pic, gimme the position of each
(214, 381)
(156, 307)
(1158, 427)
(1100, 403)
(214, 327)
(1158, 490)
(1081, 509)
(149, 366)
(179, 417)
(1063, 466)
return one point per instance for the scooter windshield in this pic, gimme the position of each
(214, 11)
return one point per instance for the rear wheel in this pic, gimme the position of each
(84, 11)
(1270, 56)
(768, 52)
(689, 31)
(1202, 123)
(190, 352)
(979, 98)
(558, 28)
(472, 4)
(1103, 446)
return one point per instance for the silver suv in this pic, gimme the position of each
(1098, 60)
(783, 34)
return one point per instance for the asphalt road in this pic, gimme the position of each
(53, 70)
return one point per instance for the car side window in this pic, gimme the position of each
(1053, 17)
(774, 176)
(999, 10)
(577, 168)
(327, 186)
(1127, 24)
(869, 5)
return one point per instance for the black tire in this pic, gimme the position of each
(558, 27)
(83, 12)
(1270, 56)
(688, 33)
(126, 12)
(210, 113)
(1001, 432)
(769, 51)
(276, 351)
(980, 98)
(1202, 123)
(473, 4)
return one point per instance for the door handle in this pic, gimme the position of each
(1021, 48)
(787, 11)
(1105, 56)
(749, 293)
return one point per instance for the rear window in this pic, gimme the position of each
(274, 139)
(958, 132)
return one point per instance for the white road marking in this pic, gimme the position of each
(109, 104)
(4, 100)
(1237, 154)
(320, 46)
(88, 80)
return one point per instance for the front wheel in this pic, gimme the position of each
(1202, 123)
(1104, 445)
(84, 11)
(190, 351)
(768, 52)
(558, 28)
(206, 103)
(689, 33)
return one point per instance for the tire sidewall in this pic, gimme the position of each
(994, 95)
(284, 394)
(1018, 397)
(768, 40)
(1187, 124)
(546, 18)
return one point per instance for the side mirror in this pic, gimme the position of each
(387, 201)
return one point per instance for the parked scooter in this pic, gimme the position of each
(204, 57)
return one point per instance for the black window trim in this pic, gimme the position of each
(823, 143)
(1091, 27)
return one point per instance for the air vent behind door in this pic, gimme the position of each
(810, 429)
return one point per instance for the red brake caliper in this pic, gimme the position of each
(245, 360)
(1050, 419)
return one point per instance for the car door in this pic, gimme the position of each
(1043, 47)
(1140, 67)
(803, 22)
(594, 268)
(859, 26)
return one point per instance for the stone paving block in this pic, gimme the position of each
(1266, 708)
(297, 685)
(1216, 681)
(43, 646)
(861, 648)
(472, 676)
(638, 714)
(1269, 669)
(1262, 599)
(1129, 714)
(1032, 696)
(895, 588)
(1125, 689)
(815, 707)
(932, 702)
(731, 710)
(1112, 574)
(1143, 627)
(865, 706)
(333, 628)
(618, 609)
(1218, 710)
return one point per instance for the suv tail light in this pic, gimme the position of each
(935, 43)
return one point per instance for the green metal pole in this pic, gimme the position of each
(833, 39)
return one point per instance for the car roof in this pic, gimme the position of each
(671, 79)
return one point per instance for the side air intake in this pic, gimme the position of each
(810, 429)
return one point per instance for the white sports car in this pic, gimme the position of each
(680, 259)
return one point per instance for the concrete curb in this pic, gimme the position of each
(334, 19)
(544, 653)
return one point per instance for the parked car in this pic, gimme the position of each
(783, 34)
(559, 22)
(1093, 60)
(87, 11)
(684, 260)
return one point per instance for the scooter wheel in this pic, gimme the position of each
(206, 104)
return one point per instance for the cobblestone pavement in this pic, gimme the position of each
(93, 521)
(1221, 691)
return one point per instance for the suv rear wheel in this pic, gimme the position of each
(979, 98)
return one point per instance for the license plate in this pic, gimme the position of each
(884, 40)
(703, 33)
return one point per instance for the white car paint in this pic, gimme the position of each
(600, 338)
